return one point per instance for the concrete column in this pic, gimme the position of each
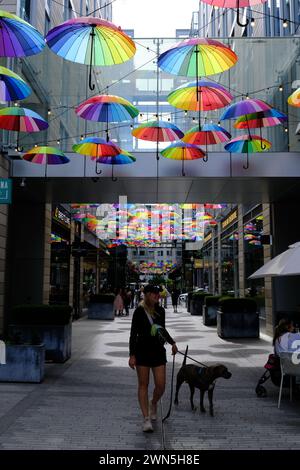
(219, 259)
(47, 252)
(4, 168)
(268, 281)
(213, 254)
(241, 254)
(71, 276)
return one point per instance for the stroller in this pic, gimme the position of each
(273, 372)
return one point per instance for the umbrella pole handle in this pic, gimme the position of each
(262, 145)
(206, 156)
(182, 170)
(247, 162)
(238, 17)
(91, 86)
(113, 178)
(97, 170)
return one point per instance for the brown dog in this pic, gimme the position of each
(202, 378)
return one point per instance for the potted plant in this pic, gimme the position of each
(52, 323)
(100, 307)
(238, 318)
(197, 302)
(209, 309)
(24, 362)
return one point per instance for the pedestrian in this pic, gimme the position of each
(146, 351)
(118, 304)
(175, 297)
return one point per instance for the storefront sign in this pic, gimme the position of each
(230, 219)
(5, 190)
(198, 263)
(60, 216)
(208, 238)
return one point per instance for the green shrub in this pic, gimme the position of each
(41, 314)
(199, 295)
(102, 298)
(239, 305)
(212, 300)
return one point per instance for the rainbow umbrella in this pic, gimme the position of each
(269, 118)
(196, 57)
(157, 131)
(235, 4)
(247, 144)
(124, 158)
(294, 98)
(210, 134)
(17, 37)
(45, 156)
(106, 108)
(91, 41)
(182, 151)
(211, 96)
(21, 120)
(97, 148)
(12, 86)
(248, 106)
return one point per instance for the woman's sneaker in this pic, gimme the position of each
(147, 426)
(152, 411)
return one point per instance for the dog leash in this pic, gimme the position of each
(192, 359)
(171, 399)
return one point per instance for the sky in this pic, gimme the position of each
(154, 18)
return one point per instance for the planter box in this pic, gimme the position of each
(238, 325)
(56, 338)
(209, 315)
(24, 363)
(196, 306)
(101, 311)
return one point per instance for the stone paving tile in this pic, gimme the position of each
(90, 402)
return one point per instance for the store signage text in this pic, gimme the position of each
(231, 218)
(61, 217)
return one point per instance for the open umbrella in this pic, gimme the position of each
(44, 155)
(247, 106)
(268, 118)
(21, 120)
(210, 134)
(285, 264)
(294, 98)
(211, 96)
(97, 148)
(196, 57)
(106, 108)
(157, 131)
(17, 37)
(91, 41)
(247, 144)
(124, 158)
(12, 86)
(235, 4)
(182, 151)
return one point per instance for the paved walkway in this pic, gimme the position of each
(90, 401)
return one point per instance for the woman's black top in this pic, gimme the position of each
(148, 350)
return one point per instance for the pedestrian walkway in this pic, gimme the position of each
(90, 401)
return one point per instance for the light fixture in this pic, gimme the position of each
(49, 111)
(81, 137)
(286, 129)
(185, 113)
(23, 182)
(194, 119)
(285, 23)
(247, 97)
(35, 145)
(16, 104)
(252, 22)
(131, 126)
(58, 141)
(280, 88)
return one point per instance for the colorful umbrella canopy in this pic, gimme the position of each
(45, 156)
(91, 41)
(17, 37)
(12, 86)
(182, 151)
(196, 57)
(272, 117)
(21, 120)
(97, 148)
(245, 107)
(210, 134)
(210, 96)
(235, 4)
(294, 98)
(247, 144)
(157, 131)
(107, 108)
